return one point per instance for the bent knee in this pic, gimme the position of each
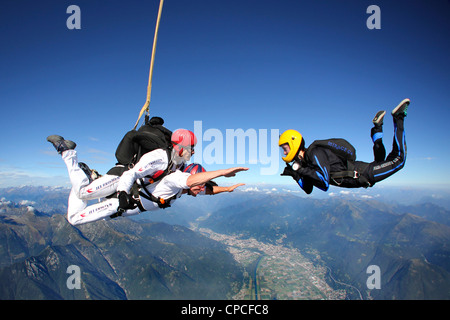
(401, 160)
(72, 221)
(75, 219)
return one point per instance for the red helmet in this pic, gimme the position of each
(194, 168)
(183, 139)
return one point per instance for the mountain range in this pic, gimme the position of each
(157, 256)
(118, 259)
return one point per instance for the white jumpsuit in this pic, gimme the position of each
(82, 191)
(171, 185)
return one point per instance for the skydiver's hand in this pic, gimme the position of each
(231, 189)
(125, 201)
(232, 171)
(288, 171)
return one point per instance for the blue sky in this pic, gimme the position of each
(313, 66)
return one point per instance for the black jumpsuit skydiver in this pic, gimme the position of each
(320, 163)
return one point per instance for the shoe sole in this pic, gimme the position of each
(378, 120)
(400, 105)
(54, 138)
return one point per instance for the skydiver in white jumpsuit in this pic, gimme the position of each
(86, 188)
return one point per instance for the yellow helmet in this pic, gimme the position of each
(295, 141)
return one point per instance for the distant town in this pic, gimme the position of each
(275, 271)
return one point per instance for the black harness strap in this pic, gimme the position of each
(354, 172)
(162, 203)
(345, 174)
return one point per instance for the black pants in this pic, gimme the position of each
(382, 168)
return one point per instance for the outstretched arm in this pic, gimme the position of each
(203, 177)
(219, 189)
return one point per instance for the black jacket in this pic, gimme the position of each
(317, 165)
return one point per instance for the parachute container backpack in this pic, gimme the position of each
(340, 147)
(150, 136)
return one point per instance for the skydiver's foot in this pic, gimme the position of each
(378, 119)
(60, 144)
(401, 109)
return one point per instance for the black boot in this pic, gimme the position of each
(60, 144)
(401, 109)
